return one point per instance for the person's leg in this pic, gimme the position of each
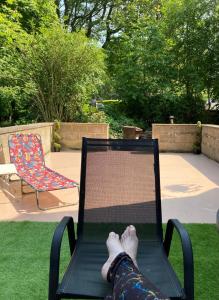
(121, 269)
(128, 283)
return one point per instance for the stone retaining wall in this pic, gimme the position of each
(172, 137)
(175, 137)
(72, 133)
(210, 141)
(43, 129)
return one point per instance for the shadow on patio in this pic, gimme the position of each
(189, 190)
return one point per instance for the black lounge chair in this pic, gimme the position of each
(120, 185)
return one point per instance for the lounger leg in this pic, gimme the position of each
(47, 208)
(37, 200)
(22, 190)
(21, 187)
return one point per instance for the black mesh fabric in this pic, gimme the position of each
(83, 277)
(118, 188)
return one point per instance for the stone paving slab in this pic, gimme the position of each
(189, 190)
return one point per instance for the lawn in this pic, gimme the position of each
(24, 259)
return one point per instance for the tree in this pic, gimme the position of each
(46, 72)
(30, 15)
(65, 70)
(166, 61)
(163, 57)
(139, 65)
(209, 60)
(19, 21)
(101, 19)
(189, 29)
(12, 36)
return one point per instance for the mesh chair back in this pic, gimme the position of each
(119, 186)
(26, 149)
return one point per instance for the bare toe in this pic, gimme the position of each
(114, 248)
(132, 230)
(129, 242)
(112, 235)
(125, 234)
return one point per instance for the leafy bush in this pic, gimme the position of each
(66, 69)
(198, 141)
(92, 115)
(117, 118)
(56, 136)
(19, 21)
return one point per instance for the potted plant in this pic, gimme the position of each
(198, 141)
(56, 136)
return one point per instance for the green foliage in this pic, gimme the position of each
(101, 19)
(19, 20)
(56, 136)
(56, 146)
(29, 15)
(65, 69)
(163, 63)
(198, 142)
(163, 59)
(92, 115)
(117, 118)
(191, 30)
(143, 76)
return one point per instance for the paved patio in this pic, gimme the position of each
(189, 189)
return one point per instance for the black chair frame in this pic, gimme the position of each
(67, 223)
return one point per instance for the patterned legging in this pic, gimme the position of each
(128, 283)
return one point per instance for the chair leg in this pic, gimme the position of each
(53, 297)
(53, 207)
(22, 190)
(66, 223)
(78, 187)
(37, 200)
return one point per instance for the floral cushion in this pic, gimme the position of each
(27, 154)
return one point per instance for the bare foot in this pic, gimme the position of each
(114, 248)
(129, 241)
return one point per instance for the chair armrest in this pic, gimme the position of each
(66, 222)
(187, 254)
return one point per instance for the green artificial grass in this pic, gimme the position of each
(25, 248)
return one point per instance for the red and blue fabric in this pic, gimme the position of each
(26, 153)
